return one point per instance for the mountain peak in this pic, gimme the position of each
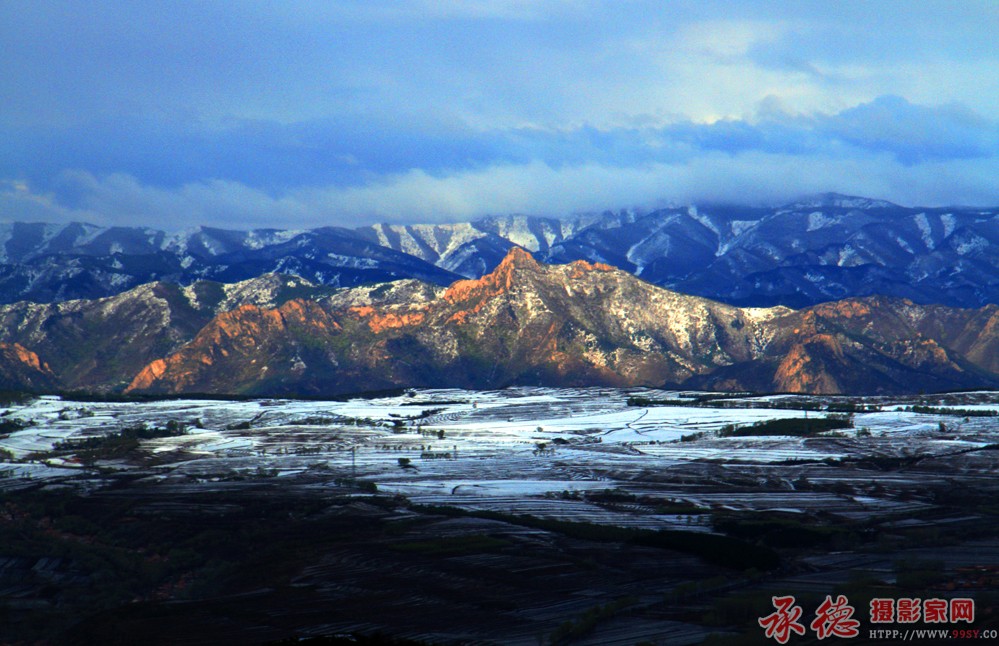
(517, 257)
(838, 200)
(497, 281)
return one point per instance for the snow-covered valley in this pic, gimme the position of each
(522, 450)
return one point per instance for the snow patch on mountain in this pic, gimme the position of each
(466, 260)
(763, 314)
(738, 227)
(550, 234)
(120, 281)
(654, 245)
(516, 229)
(87, 233)
(353, 262)
(969, 243)
(704, 220)
(260, 238)
(50, 231)
(819, 220)
(445, 240)
(430, 242)
(848, 257)
(6, 232)
(949, 223)
(259, 291)
(923, 224)
(836, 200)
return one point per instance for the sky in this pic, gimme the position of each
(174, 114)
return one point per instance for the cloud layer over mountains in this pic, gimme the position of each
(308, 114)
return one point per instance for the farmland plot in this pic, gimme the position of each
(524, 450)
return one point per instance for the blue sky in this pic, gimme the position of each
(286, 114)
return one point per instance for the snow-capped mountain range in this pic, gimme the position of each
(814, 250)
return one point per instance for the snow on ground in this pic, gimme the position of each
(511, 450)
(488, 488)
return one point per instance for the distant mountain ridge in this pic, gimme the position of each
(52, 263)
(817, 249)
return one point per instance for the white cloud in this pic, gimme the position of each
(415, 196)
(440, 87)
(753, 177)
(19, 204)
(724, 40)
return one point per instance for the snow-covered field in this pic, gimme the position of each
(527, 450)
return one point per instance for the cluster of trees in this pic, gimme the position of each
(796, 427)
(740, 401)
(9, 425)
(118, 444)
(957, 412)
(14, 398)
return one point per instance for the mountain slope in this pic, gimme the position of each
(21, 369)
(871, 345)
(101, 344)
(55, 263)
(800, 254)
(579, 324)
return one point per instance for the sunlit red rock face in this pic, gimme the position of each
(577, 324)
(240, 347)
(525, 323)
(101, 344)
(21, 368)
(871, 345)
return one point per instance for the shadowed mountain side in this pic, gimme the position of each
(54, 263)
(100, 345)
(252, 349)
(871, 345)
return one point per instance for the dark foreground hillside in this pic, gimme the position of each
(252, 562)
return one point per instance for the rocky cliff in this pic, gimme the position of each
(578, 324)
